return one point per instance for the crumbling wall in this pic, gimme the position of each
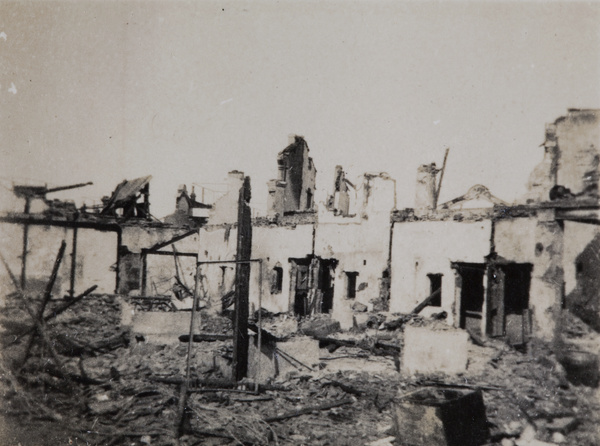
(161, 269)
(134, 239)
(582, 271)
(274, 244)
(294, 188)
(428, 247)
(225, 209)
(95, 260)
(571, 156)
(538, 241)
(361, 245)
(217, 242)
(425, 188)
(578, 137)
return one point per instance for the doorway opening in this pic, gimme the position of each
(509, 315)
(312, 285)
(470, 278)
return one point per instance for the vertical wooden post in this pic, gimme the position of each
(25, 247)
(242, 283)
(144, 284)
(73, 264)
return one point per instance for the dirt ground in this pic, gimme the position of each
(110, 388)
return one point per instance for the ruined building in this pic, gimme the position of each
(294, 188)
(496, 269)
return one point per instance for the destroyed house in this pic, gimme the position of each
(116, 248)
(494, 269)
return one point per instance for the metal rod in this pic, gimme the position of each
(192, 319)
(184, 386)
(207, 262)
(260, 291)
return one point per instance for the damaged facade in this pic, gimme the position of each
(114, 246)
(496, 269)
(263, 301)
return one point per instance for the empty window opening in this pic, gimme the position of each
(309, 196)
(435, 287)
(276, 280)
(351, 284)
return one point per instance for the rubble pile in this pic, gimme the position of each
(105, 392)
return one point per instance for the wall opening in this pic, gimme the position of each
(325, 283)
(312, 280)
(301, 289)
(351, 284)
(435, 286)
(472, 293)
(276, 280)
(508, 302)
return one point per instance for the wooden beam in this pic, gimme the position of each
(38, 318)
(242, 283)
(169, 253)
(426, 302)
(172, 240)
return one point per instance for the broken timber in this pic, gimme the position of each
(242, 283)
(426, 302)
(385, 348)
(38, 318)
(307, 410)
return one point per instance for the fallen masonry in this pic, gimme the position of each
(128, 393)
(329, 321)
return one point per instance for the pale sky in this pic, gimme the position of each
(187, 91)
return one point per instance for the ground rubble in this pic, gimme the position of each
(113, 389)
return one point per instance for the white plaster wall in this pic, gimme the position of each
(272, 244)
(96, 260)
(420, 248)
(216, 243)
(277, 244)
(360, 244)
(360, 247)
(96, 254)
(515, 239)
